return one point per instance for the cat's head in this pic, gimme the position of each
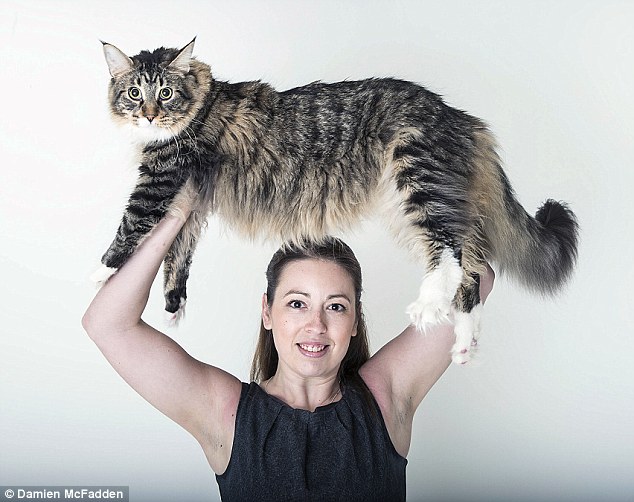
(156, 94)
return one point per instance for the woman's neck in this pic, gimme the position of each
(303, 394)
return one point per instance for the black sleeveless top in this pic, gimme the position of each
(339, 452)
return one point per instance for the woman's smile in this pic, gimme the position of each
(313, 349)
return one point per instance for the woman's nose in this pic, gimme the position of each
(316, 322)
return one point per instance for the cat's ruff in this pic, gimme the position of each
(311, 161)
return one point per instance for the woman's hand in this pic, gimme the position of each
(486, 283)
(184, 202)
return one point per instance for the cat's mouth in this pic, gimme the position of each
(150, 131)
(145, 122)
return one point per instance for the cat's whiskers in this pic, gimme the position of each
(196, 121)
(191, 134)
(174, 137)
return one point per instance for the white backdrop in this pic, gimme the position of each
(547, 414)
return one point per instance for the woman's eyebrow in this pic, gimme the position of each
(296, 292)
(307, 295)
(339, 295)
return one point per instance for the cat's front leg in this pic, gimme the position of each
(176, 269)
(102, 274)
(147, 204)
(179, 257)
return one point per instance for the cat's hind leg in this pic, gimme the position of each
(437, 290)
(427, 192)
(467, 304)
(441, 264)
(466, 316)
(450, 293)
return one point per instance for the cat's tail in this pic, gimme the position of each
(539, 251)
(542, 251)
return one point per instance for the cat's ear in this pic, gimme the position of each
(182, 60)
(118, 62)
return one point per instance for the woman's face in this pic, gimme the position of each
(312, 317)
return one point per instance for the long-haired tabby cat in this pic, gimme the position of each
(311, 161)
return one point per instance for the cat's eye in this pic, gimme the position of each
(134, 93)
(166, 93)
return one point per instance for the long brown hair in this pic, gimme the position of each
(265, 359)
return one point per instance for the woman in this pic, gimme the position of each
(327, 421)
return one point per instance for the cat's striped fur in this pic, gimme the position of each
(311, 161)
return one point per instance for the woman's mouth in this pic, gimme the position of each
(312, 349)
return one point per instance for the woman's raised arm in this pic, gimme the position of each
(199, 397)
(405, 369)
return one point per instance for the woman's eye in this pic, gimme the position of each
(134, 93)
(337, 307)
(166, 93)
(295, 304)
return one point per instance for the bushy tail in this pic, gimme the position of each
(540, 251)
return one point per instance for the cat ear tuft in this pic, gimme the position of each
(182, 60)
(118, 62)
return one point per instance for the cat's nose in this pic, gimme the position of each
(150, 118)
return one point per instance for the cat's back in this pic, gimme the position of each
(357, 109)
(372, 94)
(351, 89)
(327, 116)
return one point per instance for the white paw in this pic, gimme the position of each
(102, 274)
(433, 305)
(423, 314)
(461, 355)
(173, 318)
(467, 330)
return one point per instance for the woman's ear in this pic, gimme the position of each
(266, 314)
(359, 313)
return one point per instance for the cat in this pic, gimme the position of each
(310, 161)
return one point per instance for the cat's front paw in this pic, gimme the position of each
(102, 274)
